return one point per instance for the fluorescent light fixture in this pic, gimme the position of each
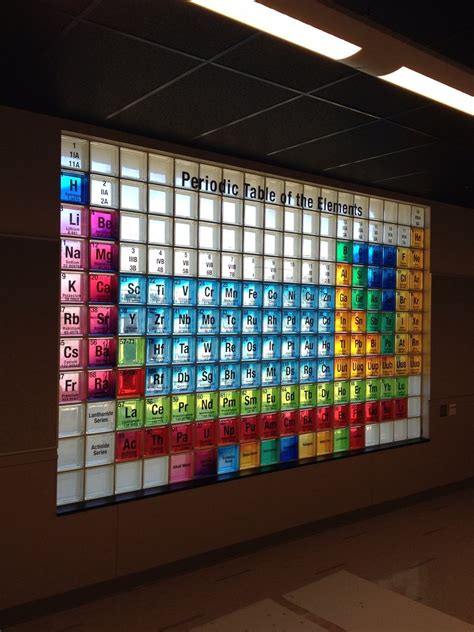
(283, 26)
(428, 87)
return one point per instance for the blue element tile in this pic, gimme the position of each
(74, 188)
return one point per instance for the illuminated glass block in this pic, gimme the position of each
(74, 188)
(340, 416)
(359, 276)
(415, 364)
(358, 344)
(231, 266)
(103, 191)
(270, 452)
(130, 414)
(326, 321)
(130, 382)
(341, 392)
(372, 435)
(387, 346)
(344, 252)
(341, 439)
(160, 229)
(327, 274)
(70, 453)
(102, 352)
(291, 245)
(307, 395)
(73, 320)
(207, 405)
(324, 417)
(402, 321)
(133, 195)
(158, 350)
(373, 366)
(185, 204)
(375, 234)
(374, 277)
(289, 394)
(357, 390)
(99, 482)
(343, 298)
(182, 437)
(157, 381)
(250, 399)
(228, 430)
(400, 430)
(357, 437)
(288, 449)
(73, 254)
(181, 467)
(288, 423)
(390, 234)
(341, 368)
(415, 322)
(401, 365)
(372, 389)
(371, 412)
(71, 387)
(402, 282)
(356, 413)
(414, 428)
(373, 322)
(402, 301)
(327, 249)
(71, 420)
(100, 419)
(387, 408)
(325, 394)
(325, 345)
(160, 260)
(403, 236)
(249, 455)
(324, 442)
(101, 384)
(375, 207)
(309, 272)
(417, 216)
(343, 274)
(342, 344)
(269, 425)
(253, 214)
(415, 280)
(417, 238)
(104, 256)
(74, 153)
(386, 432)
(341, 319)
(160, 200)
(307, 445)
(390, 211)
(403, 257)
(387, 387)
(359, 253)
(291, 271)
(389, 256)
(414, 385)
(157, 411)
(205, 434)
(70, 487)
(401, 343)
(360, 229)
(273, 218)
(156, 441)
(103, 288)
(207, 377)
(416, 301)
(358, 366)
(73, 287)
(231, 211)
(159, 321)
(389, 278)
(131, 351)
(228, 459)
(374, 255)
(359, 298)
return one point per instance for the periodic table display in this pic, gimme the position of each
(215, 322)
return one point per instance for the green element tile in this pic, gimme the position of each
(357, 391)
(372, 389)
(388, 322)
(182, 408)
(373, 322)
(131, 351)
(129, 413)
(359, 276)
(289, 397)
(325, 396)
(374, 299)
(270, 399)
(341, 392)
(229, 403)
(387, 388)
(341, 439)
(387, 344)
(307, 395)
(269, 452)
(344, 252)
(250, 401)
(401, 387)
(207, 405)
(359, 299)
(158, 411)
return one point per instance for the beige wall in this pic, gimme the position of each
(42, 554)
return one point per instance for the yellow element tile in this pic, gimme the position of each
(357, 344)
(401, 365)
(373, 366)
(402, 301)
(388, 366)
(342, 320)
(416, 259)
(341, 368)
(343, 274)
(403, 257)
(324, 442)
(403, 279)
(249, 455)
(416, 301)
(401, 343)
(342, 344)
(372, 344)
(416, 280)
(402, 321)
(416, 364)
(343, 298)
(415, 322)
(358, 322)
(307, 445)
(358, 367)
(417, 237)
(415, 344)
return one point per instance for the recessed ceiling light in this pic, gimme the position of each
(431, 88)
(283, 26)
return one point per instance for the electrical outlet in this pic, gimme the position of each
(443, 410)
(451, 410)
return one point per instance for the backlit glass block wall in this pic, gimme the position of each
(214, 321)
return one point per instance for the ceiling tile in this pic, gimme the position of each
(371, 95)
(174, 23)
(285, 63)
(283, 126)
(440, 121)
(208, 98)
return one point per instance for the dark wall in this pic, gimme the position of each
(44, 554)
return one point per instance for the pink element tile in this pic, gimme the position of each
(73, 254)
(73, 320)
(104, 224)
(73, 287)
(101, 384)
(71, 353)
(103, 255)
(71, 387)
(73, 220)
(102, 352)
(181, 467)
(102, 320)
(103, 288)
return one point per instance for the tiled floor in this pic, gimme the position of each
(424, 552)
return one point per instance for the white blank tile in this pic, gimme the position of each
(155, 471)
(128, 476)
(99, 482)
